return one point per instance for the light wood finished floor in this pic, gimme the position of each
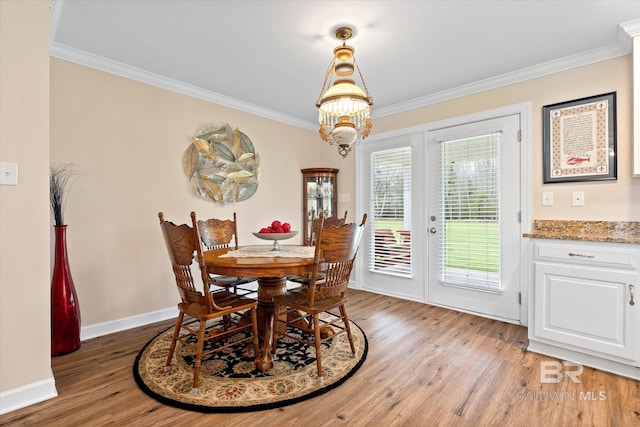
(427, 366)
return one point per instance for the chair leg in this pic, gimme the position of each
(198, 361)
(318, 344)
(174, 339)
(254, 330)
(226, 322)
(345, 319)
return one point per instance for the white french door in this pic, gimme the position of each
(446, 203)
(391, 253)
(473, 217)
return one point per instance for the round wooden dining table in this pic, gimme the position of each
(271, 269)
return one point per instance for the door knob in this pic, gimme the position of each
(432, 230)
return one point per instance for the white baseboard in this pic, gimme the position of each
(39, 391)
(106, 328)
(615, 367)
(26, 395)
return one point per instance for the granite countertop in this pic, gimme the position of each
(588, 231)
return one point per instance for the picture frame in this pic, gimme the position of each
(579, 140)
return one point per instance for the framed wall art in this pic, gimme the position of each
(579, 139)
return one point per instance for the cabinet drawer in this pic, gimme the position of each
(575, 252)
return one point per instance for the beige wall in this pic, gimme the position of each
(24, 209)
(128, 138)
(605, 200)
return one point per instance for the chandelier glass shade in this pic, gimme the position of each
(344, 108)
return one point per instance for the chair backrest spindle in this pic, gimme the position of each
(336, 250)
(181, 247)
(328, 221)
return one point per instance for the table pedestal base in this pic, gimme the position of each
(268, 288)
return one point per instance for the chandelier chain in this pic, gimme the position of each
(326, 79)
(366, 90)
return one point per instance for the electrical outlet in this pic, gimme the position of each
(547, 198)
(8, 173)
(577, 198)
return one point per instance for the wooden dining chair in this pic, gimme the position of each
(299, 310)
(200, 306)
(304, 279)
(328, 221)
(216, 233)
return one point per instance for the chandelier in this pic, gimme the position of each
(344, 108)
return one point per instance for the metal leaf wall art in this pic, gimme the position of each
(222, 164)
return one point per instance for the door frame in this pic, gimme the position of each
(525, 111)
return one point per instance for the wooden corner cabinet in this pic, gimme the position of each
(319, 193)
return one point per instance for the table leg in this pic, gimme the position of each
(268, 287)
(264, 361)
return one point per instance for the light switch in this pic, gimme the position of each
(344, 197)
(8, 173)
(547, 198)
(577, 198)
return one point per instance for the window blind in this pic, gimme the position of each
(470, 209)
(390, 206)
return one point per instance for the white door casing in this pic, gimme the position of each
(417, 288)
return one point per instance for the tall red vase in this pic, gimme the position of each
(65, 312)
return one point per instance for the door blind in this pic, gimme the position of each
(390, 205)
(470, 212)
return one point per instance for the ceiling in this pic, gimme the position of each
(269, 57)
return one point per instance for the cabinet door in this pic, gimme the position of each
(587, 307)
(319, 194)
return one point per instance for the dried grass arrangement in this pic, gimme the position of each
(60, 179)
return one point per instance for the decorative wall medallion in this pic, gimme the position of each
(222, 164)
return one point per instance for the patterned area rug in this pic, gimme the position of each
(229, 381)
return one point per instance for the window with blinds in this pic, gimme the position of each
(470, 212)
(390, 207)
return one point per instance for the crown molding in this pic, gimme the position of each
(630, 29)
(113, 67)
(626, 32)
(55, 6)
(551, 67)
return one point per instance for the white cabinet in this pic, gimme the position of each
(585, 304)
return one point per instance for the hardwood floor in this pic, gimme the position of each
(427, 366)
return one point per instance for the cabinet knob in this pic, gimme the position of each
(631, 301)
